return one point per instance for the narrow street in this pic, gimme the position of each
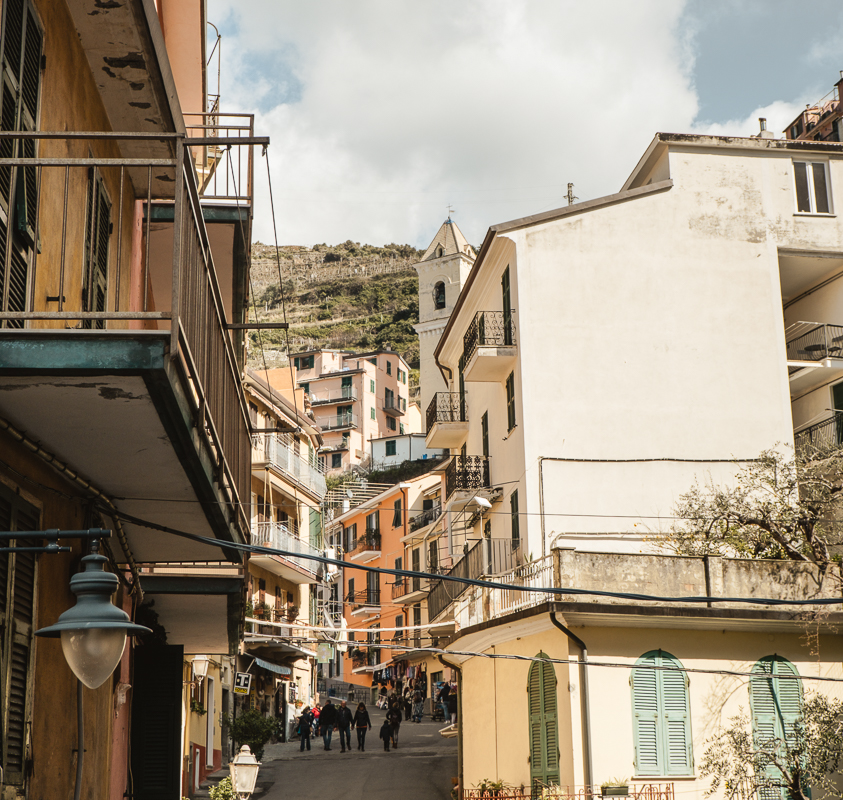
(420, 769)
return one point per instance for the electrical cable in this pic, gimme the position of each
(248, 548)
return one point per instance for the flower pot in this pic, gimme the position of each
(614, 791)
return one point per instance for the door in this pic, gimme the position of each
(211, 716)
(507, 308)
(837, 405)
(346, 387)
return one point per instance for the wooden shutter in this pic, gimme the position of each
(544, 725)
(645, 718)
(676, 716)
(17, 622)
(510, 401)
(507, 307)
(97, 235)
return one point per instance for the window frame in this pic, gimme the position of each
(811, 188)
(510, 402)
(391, 447)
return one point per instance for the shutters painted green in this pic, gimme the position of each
(484, 432)
(507, 307)
(776, 705)
(17, 624)
(544, 723)
(661, 717)
(510, 401)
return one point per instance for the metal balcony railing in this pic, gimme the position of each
(279, 451)
(425, 518)
(825, 435)
(370, 540)
(397, 405)
(364, 598)
(486, 557)
(824, 341)
(648, 791)
(467, 473)
(278, 536)
(346, 393)
(226, 174)
(335, 423)
(446, 407)
(188, 300)
(488, 329)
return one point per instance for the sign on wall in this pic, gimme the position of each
(242, 683)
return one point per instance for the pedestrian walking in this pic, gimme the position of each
(394, 717)
(315, 712)
(418, 706)
(386, 734)
(363, 725)
(408, 702)
(442, 699)
(344, 720)
(452, 707)
(327, 722)
(305, 728)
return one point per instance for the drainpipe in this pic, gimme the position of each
(584, 709)
(458, 670)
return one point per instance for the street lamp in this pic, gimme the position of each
(93, 632)
(200, 668)
(244, 773)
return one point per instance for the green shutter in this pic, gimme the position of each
(661, 717)
(97, 235)
(544, 723)
(510, 401)
(507, 307)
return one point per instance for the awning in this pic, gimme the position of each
(269, 666)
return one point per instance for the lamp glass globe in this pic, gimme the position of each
(93, 653)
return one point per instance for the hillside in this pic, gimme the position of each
(351, 296)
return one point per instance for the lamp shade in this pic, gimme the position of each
(93, 632)
(244, 772)
(200, 666)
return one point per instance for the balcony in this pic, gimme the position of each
(637, 791)
(466, 474)
(814, 354)
(394, 406)
(447, 420)
(277, 451)
(344, 421)
(138, 362)
(822, 436)
(295, 569)
(489, 350)
(486, 557)
(344, 395)
(365, 603)
(410, 590)
(366, 548)
(425, 518)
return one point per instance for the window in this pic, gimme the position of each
(513, 512)
(402, 376)
(397, 516)
(776, 705)
(484, 432)
(305, 386)
(371, 386)
(336, 460)
(544, 726)
(346, 388)
(811, 183)
(507, 307)
(97, 234)
(349, 535)
(304, 362)
(372, 588)
(388, 398)
(401, 428)
(433, 558)
(373, 361)
(372, 413)
(391, 447)
(439, 295)
(389, 368)
(390, 423)
(21, 88)
(510, 401)
(350, 595)
(18, 575)
(373, 524)
(660, 717)
(399, 623)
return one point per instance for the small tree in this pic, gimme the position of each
(251, 728)
(781, 505)
(808, 757)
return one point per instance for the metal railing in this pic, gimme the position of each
(364, 597)
(279, 451)
(369, 541)
(488, 329)
(425, 518)
(407, 585)
(344, 420)
(396, 403)
(825, 435)
(187, 298)
(226, 174)
(467, 473)
(346, 393)
(824, 341)
(645, 791)
(486, 557)
(446, 407)
(277, 536)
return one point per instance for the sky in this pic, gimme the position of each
(383, 114)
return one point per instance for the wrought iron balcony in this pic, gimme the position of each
(447, 420)
(364, 600)
(823, 436)
(345, 420)
(410, 589)
(367, 547)
(344, 395)
(490, 334)
(425, 518)
(467, 474)
(817, 344)
(277, 450)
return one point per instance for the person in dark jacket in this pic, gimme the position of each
(305, 728)
(327, 722)
(344, 720)
(363, 725)
(386, 734)
(452, 707)
(394, 717)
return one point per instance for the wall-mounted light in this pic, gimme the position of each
(200, 668)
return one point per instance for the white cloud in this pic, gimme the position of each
(778, 116)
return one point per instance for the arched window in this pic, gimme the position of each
(439, 295)
(544, 726)
(775, 700)
(661, 717)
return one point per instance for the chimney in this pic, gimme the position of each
(764, 133)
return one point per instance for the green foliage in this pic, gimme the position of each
(223, 790)
(251, 728)
(198, 708)
(403, 472)
(614, 782)
(781, 505)
(490, 788)
(745, 766)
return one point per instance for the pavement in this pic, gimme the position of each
(421, 768)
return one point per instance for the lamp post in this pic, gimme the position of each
(200, 668)
(244, 773)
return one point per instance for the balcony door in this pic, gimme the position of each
(346, 387)
(837, 405)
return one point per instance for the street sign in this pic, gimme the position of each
(324, 653)
(242, 683)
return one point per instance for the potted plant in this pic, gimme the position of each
(615, 787)
(488, 788)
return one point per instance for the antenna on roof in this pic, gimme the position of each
(450, 211)
(570, 196)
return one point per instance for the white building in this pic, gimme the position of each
(391, 451)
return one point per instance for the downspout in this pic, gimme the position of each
(584, 708)
(458, 670)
